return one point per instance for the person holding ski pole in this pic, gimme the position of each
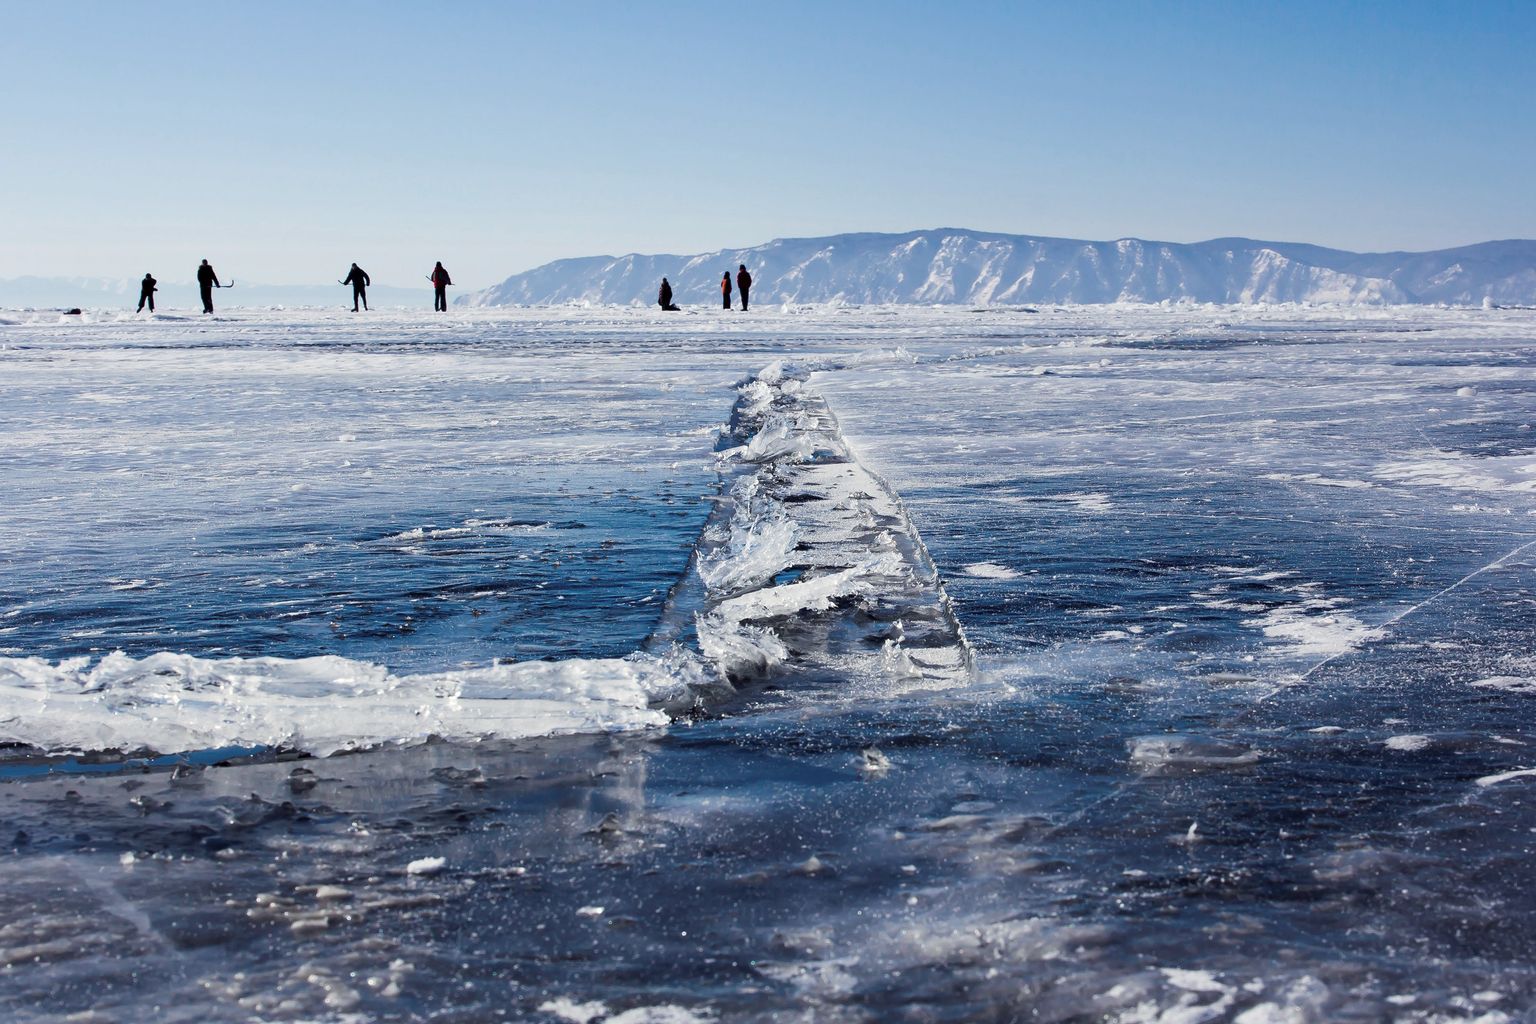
(440, 282)
(358, 278)
(207, 281)
(743, 283)
(725, 289)
(147, 291)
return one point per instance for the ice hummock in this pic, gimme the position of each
(858, 592)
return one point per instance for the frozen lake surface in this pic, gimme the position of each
(837, 664)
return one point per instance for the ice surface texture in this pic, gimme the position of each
(1249, 594)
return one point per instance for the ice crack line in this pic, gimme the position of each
(810, 560)
(1497, 563)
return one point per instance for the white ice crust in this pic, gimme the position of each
(174, 702)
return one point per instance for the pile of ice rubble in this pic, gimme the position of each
(810, 560)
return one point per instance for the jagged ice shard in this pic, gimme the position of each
(863, 664)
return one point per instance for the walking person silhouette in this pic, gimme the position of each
(357, 277)
(147, 291)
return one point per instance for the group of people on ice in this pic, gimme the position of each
(743, 285)
(357, 277)
(207, 281)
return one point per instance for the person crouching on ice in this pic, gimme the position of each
(664, 297)
(147, 291)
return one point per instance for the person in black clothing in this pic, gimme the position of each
(147, 291)
(725, 289)
(440, 282)
(207, 281)
(664, 297)
(357, 277)
(743, 283)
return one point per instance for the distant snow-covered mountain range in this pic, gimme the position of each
(951, 265)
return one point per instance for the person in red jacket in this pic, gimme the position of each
(743, 283)
(440, 282)
(725, 289)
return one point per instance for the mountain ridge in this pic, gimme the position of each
(966, 266)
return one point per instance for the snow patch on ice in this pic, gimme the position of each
(1435, 468)
(665, 1013)
(991, 571)
(1318, 480)
(574, 1012)
(1494, 780)
(425, 866)
(1315, 629)
(1509, 684)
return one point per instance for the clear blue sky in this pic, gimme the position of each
(282, 140)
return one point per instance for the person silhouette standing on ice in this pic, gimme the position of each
(725, 289)
(357, 277)
(207, 281)
(743, 283)
(147, 291)
(440, 282)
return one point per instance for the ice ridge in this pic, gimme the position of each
(810, 560)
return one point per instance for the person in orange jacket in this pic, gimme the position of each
(743, 283)
(725, 289)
